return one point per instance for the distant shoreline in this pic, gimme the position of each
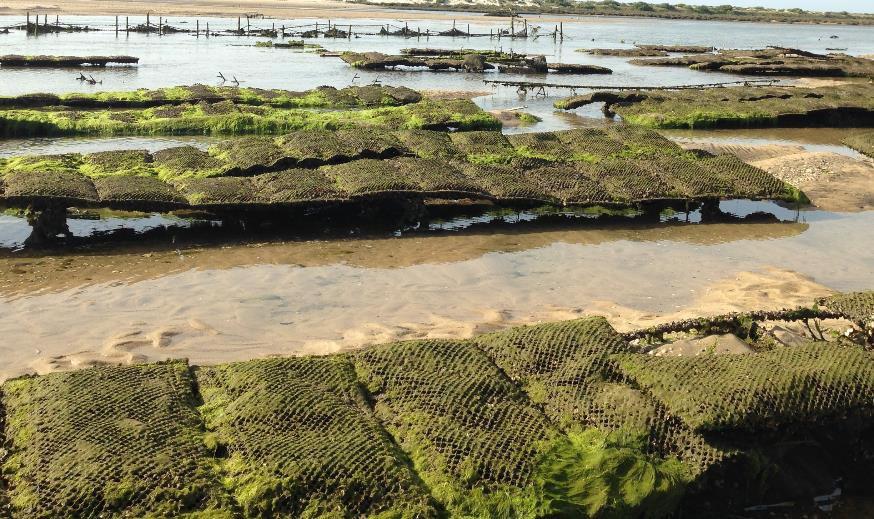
(328, 9)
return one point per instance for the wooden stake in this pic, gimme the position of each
(238, 26)
(197, 29)
(126, 25)
(116, 26)
(147, 23)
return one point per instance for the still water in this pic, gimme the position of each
(181, 294)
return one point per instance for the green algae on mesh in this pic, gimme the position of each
(107, 441)
(528, 119)
(69, 162)
(193, 119)
(808, 382)
(302, 442)
(117, 163)
(567, 368)
(738, 107)
(183, 162)
(856, 306)
(594, 474)
(449, 407)
(321, 97)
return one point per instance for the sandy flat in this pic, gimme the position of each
(745, 152)
(833, 182)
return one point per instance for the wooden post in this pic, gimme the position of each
(238, 26)
(160, 26)
(27, 24)
(197, 29)
(147, 23)
(248, 26)
(350, 31)
(512, 27)
(468, 31)
(207, 29)
(116, 26)
(561, 30)
(57, 22)
(126, 25)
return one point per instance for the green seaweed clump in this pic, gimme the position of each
(595, 474)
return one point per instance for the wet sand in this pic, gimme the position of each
(840, 180)
(832, 182)
(219, 304)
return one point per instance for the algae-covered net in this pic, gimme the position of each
(808, 382)
(578, 167)
(470, 431)
(567, 368)
(301, 441)
(857, 306)
(123, 441)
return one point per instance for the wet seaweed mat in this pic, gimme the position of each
(845, 105)
(620, 166)
(772, 61)
(322, 97)
(357, 107)
(122, 441)
(470, 431)
(808, 382)
(301, 441)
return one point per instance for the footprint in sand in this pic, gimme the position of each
(201, 326)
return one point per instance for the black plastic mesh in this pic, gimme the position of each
(483, 146)
(186, 161)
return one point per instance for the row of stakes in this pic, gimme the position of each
(34, 28)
